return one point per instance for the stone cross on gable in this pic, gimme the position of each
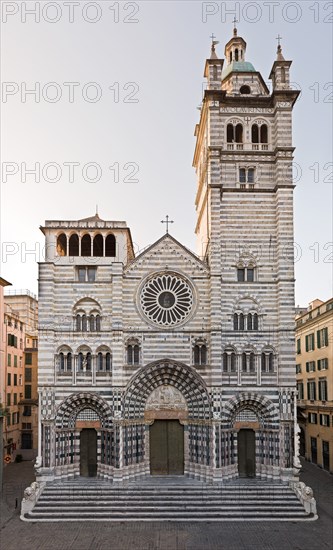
(167, 222)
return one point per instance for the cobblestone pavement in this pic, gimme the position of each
(313, 535)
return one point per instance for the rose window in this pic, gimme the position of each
(166, 299)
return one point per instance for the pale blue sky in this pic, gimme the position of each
(163, 54)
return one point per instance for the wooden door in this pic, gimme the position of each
(88, 452)
(166, 448)
(246, 453)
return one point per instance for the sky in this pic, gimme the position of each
(98, 107)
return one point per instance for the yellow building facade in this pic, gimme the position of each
(314, 373)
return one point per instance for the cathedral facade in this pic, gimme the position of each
(172, 362)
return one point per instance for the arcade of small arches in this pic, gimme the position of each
(249, 360)
(97, 245)
(259, 131)
(249, 321)
(83, 360)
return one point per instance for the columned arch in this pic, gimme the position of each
(70, 408)
(259, 404)
(172, 373)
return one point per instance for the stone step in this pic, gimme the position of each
(70, 501)
(244, 507)
(158, 515)
(181, 500)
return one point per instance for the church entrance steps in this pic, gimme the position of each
(163, 499)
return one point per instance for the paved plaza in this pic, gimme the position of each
(308, 535)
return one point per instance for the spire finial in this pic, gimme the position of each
(235, 28)
(96, 209)
(212, 51)
(279, 48)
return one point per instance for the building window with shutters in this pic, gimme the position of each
(311, 390)
(322, 338)
(312, 418)
(309, 342)
(298, 368)
(324, 420)
(322, 387)
(322, 364)
(300, 390)
(298, 346)
(310, 366)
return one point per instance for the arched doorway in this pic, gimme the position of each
(246, 453)
(88, 452)
(171, 402)
(166, 447)
(253, 420)
(83, 436)
(167, 407)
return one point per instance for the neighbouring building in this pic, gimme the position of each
(3, 364)
(314, 373)
(24, 304)
(14, 380)
(170, 362)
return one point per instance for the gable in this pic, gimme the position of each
(167, 253)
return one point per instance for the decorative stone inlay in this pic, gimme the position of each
(166, 397)
(166, 299)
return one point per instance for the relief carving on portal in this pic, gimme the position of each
(166, 402)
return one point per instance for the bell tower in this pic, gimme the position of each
(244, 202)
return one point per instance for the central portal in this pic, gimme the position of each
(166, 448)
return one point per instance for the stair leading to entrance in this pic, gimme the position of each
(167, 499)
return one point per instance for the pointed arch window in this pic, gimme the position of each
(86, 245)
(255, 133)
(80, 361)
(62, 245)
(267, 361)
(110, 246)
(84, 323)
(229, 361)
(239, 133)
(214, 72)
(244, 362)
(64, 361)
(230, 133)
(98, 246)
(78, 323)
(108, 362)
(74, 245)
(236, 54)
(69, 361)
(200, 354)
(263, 133)
(235, 133)
(133, 354)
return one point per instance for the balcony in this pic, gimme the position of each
(246, 146)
